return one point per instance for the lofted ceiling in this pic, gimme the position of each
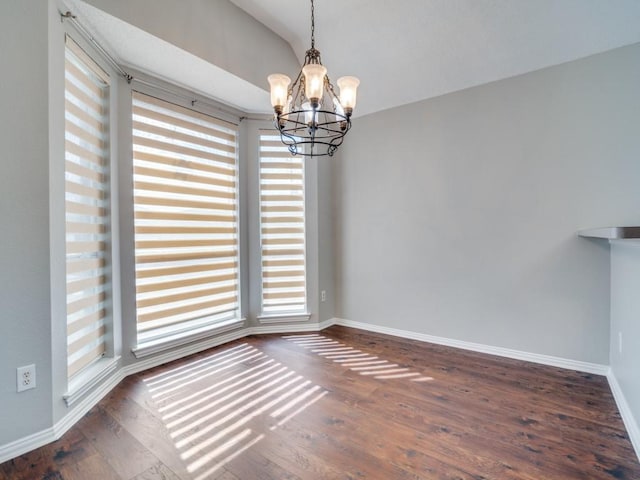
(403, 51)
(409, 50)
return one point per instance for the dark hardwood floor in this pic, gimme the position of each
(343, 404)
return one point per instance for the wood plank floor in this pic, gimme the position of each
(343, 404)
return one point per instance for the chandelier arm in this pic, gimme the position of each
(329, 87)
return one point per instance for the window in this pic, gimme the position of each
(282, 228)
(186, 223)
(86, 208)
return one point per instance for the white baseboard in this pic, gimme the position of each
(586, 367)
(36, 440)
(630, 423)
(291, 328)
(39, 439)
(31, 442)
(26, 444)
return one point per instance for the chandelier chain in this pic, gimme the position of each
(313, 26)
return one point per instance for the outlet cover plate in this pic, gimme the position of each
(26, 377)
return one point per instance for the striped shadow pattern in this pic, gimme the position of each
(220, 405)
(355, 360)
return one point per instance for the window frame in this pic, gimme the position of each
(101, 368)
(284, 315)
(200, 328)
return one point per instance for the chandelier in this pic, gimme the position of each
(311, 118)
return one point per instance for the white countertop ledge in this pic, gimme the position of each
(612, 233)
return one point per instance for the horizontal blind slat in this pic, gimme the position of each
(163, 272)
(160, 243)
(85, 136)
(182, 177)
(86, 155)
(179, 202)
(182, 190)
(172, 149)
(183, 257)
(173, 135)
(290, 272)
(141, 111)
(197, 217)
(166, 299)
(86, 321)
(189, 282)
(281, 263)
(173, 162)
(147, 317)
(86, 359)
(281, 230)
(272, 284)
(181, 230)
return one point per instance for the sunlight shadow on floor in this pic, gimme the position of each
(356, 360)
(219, 406)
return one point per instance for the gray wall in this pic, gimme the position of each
(32, 289)
(456, 216)
(215, 30)
(24, 210)
(326, 236)
(625, 322)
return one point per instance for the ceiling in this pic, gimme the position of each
(409, 50)
(403, 51)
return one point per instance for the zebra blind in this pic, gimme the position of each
(282, 233)
(86, 207)
(186, 225)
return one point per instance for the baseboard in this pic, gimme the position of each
(586, 367)
(39, 439)
(630, 423)
(26, 444)
(87, 403)
(31, 442)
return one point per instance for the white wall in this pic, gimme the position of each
(456, 216)
(24, 210)
(625, 322)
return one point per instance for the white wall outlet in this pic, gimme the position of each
(619, 342)
(26, 377)
(323, 296)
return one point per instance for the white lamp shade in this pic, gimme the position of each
(314, 74)
(348, 87)
(279, 89)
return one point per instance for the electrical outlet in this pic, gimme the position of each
(323, 296)
(26, 377)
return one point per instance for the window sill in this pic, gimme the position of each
(170, 341)
(89, 379)
(283, 318)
